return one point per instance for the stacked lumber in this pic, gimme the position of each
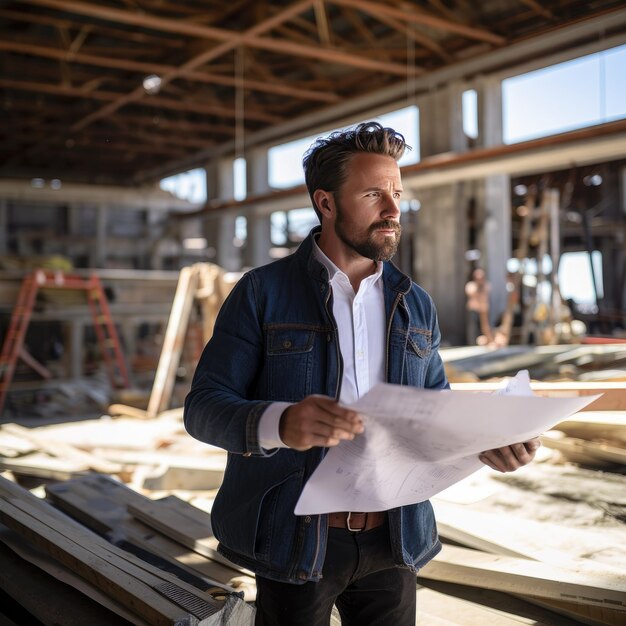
(566, 362)
(154, 454)
(552, 535)
(131, 482)
(139, 590)
(568, 555)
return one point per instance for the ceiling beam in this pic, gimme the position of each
(409, 32)
(112, 96)
(417, 17)
(230, 39)
(563, 39)
(150, 196)
(117, 33)
(158, 68)
(321, 20)
(588, 145)
(165, 24)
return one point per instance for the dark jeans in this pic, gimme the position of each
(358, 576)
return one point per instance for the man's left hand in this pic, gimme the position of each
(510, 458)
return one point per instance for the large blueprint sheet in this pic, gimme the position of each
(418, 442)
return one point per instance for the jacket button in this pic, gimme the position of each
(302, 575)
(307, 519)
(286, 343)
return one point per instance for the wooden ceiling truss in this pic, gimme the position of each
(72, 71)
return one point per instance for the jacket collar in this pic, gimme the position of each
(393, 278)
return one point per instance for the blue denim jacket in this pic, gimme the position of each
(275, 339)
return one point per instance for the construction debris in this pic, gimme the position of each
(552, 533)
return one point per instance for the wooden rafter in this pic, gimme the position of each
(295, 58)
(539, 9)
(230, 39)
(409, 32)
(159, 68)
(181, 125)
(157, 101)
(234, 40)
(117, 33)
(321, 19)
(417, 17)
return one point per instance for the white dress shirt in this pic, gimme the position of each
(360, 321)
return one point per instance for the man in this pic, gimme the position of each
(478, 290)
(296, 341)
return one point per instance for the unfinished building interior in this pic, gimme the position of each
(151, 154)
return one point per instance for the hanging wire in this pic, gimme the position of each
(239, 103)
(602, 81)
(410, 65)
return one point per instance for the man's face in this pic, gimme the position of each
(368, 207)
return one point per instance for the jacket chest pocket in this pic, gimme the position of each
(417, 350)
(289, 360)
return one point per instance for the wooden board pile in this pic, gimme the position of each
(154, 454)
(552, 534)
(565, 362)
(138, 590)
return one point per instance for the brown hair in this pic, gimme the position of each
(326, 161)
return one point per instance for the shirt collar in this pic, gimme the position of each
(334, 271)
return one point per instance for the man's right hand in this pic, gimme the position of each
(318, 421)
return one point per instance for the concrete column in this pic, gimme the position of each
(99, 257)
(75, 335)
(440, 242)
(440, 233)
(74, 219)
(441, 121)
(4, 226)
(219, 229)
(258, 244)
(495, 194)
(489, 95)
(494, 200)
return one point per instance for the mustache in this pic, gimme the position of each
(386, 224)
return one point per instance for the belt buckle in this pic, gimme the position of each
(354, 530)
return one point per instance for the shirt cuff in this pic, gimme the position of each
(269, 423)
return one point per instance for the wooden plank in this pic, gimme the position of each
(64, 450)
(582, 613)
(170, 586)
(184, 523)
(520, 609)
(609, 425)
(173, 342)
(43, 466)
(588, 453)
(171, 478)
(173, 470)
(132, 593)
(521, 576)
(100, 504)
(613, 394)
(445, 604)
(121, 433)
(506, 535)
(46, 595)
(60, 525)
(11, 446)
(126, 562)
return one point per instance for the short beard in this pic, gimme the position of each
(368, 248)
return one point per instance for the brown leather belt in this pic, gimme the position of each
(357, 522)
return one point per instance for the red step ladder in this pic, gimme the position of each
(13, 346)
